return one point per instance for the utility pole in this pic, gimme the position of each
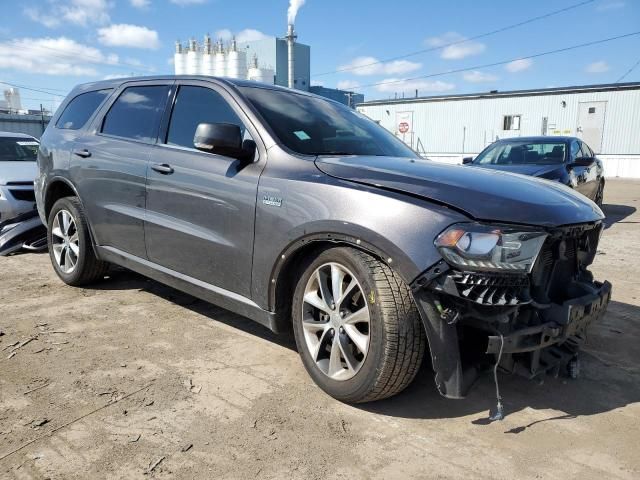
(349, 96)
(42, 118)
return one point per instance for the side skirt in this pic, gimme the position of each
(202, 290)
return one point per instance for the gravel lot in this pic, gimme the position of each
(132, 379)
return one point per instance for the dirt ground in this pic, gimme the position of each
(132, 379)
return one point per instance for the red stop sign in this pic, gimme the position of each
(403, 127)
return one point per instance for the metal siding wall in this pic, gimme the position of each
(439, 125)
(13, 123)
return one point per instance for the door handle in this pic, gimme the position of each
(162, 168)
(84, 153)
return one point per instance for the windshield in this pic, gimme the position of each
(18, 149)
(522, 153)
(313, 126)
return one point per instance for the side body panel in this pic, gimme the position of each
(297, 201)
(111, 184)
(200, 218)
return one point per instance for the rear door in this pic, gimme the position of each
(201, 206)
(109, 164)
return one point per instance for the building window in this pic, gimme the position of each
(511, 122)
(592, 109)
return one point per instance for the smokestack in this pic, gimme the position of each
(291, 38)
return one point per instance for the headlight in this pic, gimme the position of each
(474, 246)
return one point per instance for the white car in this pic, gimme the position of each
(18, 170)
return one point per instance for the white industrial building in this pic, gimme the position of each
(449, 127)
(280, 61)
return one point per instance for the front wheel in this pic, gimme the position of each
(599, 198)
(356, 326)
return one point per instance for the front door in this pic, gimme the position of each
(109, 166)
(201, 206)
(591, 123)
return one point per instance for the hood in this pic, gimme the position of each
(18, 172)
(534, 170)
(483, 194)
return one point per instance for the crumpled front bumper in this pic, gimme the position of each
(547, 345)
(570, 319)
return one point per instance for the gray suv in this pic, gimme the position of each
(298, 212)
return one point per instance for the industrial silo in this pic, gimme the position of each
(236, 62)
(193, 58)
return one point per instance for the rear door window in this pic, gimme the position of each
(136, 113)
(195, 105)
(80, 109)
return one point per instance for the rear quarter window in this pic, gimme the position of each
(79, 110)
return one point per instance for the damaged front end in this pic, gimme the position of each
(518, 298)
(24, 232)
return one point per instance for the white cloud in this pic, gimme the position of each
(140, 3)
(246, 35)
(519, 65)
(317, 83)
(399, 85)
(462, 48)
(598, 67)
(185, 3)
(372, 66)
(53, 56)
(476, 76)
(348, 85)
(225, 34)
(113, 76)
(77, 12)
(250, 35)
(610, 5)
(125, 35)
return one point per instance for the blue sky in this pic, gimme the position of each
(51, 45)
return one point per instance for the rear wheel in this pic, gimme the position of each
(357, 329)
(70, 246)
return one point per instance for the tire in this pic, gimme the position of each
(73, 259)
(396, 340)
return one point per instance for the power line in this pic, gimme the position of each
(629, 71)
(24, 87)
(503, 62)
(457, 42)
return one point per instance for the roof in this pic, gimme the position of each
(16, 135)
(113, 83)
(606, 87)
(539, 138)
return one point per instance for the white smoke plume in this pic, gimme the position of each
(294, 6)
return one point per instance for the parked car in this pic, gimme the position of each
(18, 170)
(298, 212)
(567, 160)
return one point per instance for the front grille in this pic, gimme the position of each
(24, 195)
(492, 288)
(562, 256)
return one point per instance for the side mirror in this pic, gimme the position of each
(467, 160)
(583, 161)
(223, 139)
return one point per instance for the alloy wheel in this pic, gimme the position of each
(65, 241)
(335, 321)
